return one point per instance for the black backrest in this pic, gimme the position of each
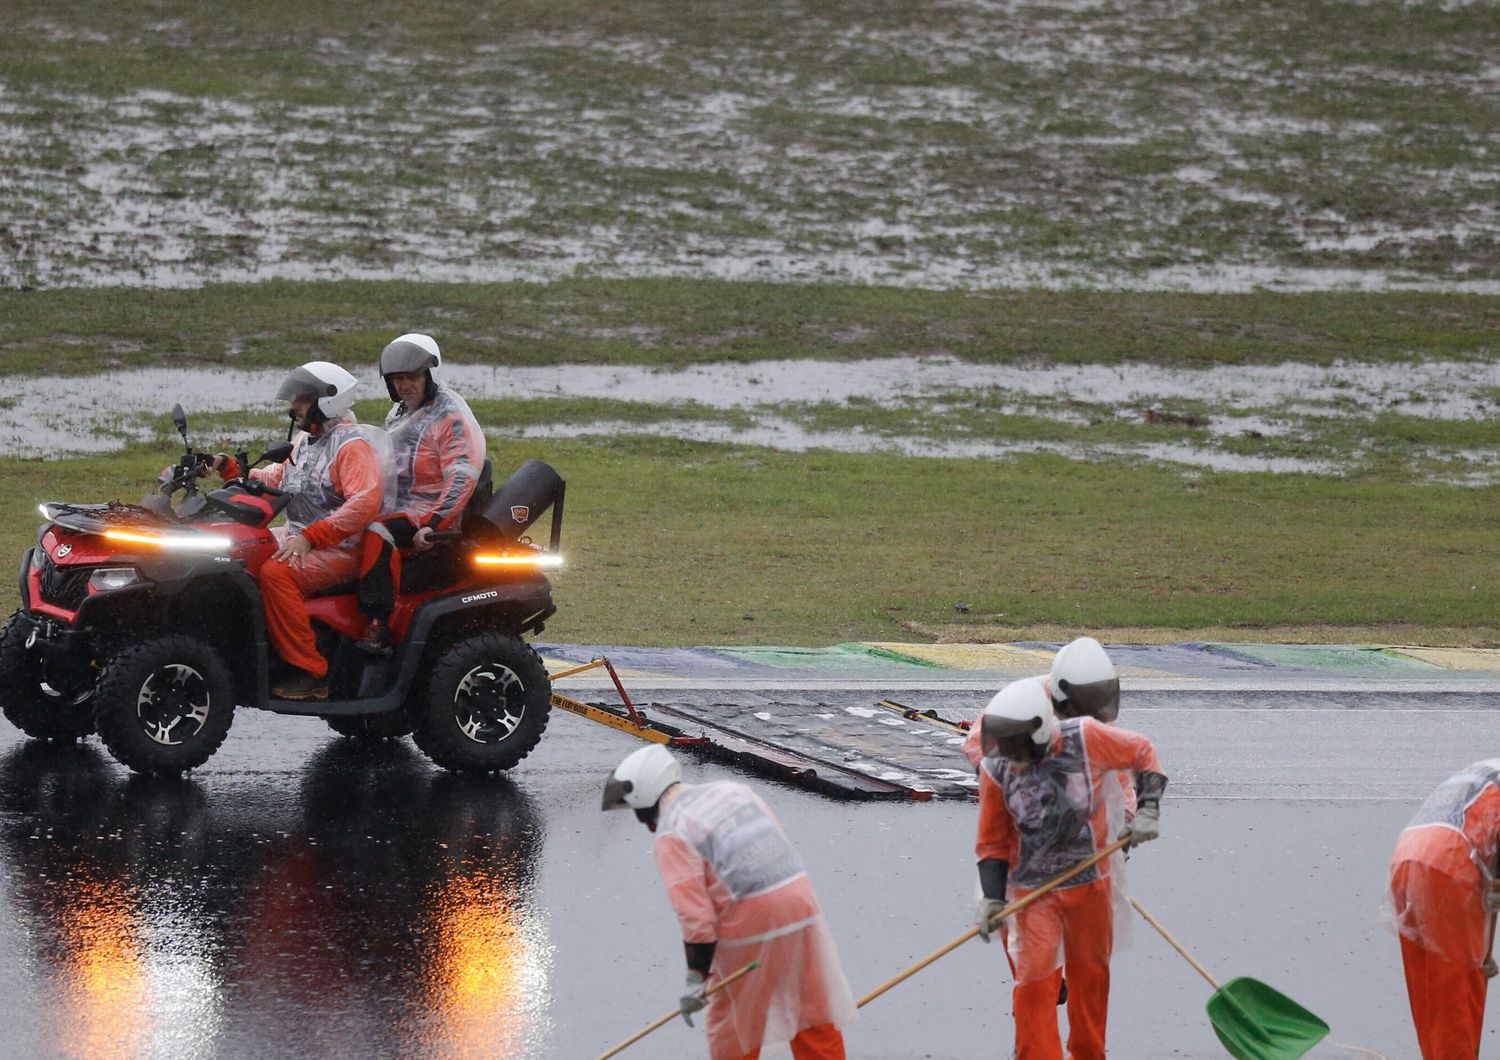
(523, 499)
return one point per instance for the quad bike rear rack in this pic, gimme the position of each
(719, 742)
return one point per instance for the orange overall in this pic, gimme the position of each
(734, 880)
(1443, 862)
(339, 480)
(438, 451)
(1042, 818)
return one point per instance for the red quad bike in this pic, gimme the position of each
(143, 623)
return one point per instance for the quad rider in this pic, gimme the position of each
(741, 895)
(1047, 801)
(438, 448)
(339, 475)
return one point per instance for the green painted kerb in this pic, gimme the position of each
(1341, 657)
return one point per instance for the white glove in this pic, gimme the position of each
(984, 916)
(1144, 826)
(1492, 898)
(693, 1000)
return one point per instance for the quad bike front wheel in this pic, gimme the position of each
(484, 703)
(164, 705)
(44, 699)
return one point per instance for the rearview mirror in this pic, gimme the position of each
(180, 418)
(277, 453)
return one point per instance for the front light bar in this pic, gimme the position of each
(176, 541)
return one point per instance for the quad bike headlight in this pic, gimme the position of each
(176, 541)
(107, 579)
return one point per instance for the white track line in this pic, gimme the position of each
(1194, 685)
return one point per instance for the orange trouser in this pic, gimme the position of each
(283, 594)
(823, 1042)
(1443, 978)
(1081, 921)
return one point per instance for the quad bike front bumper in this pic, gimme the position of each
(54, 639)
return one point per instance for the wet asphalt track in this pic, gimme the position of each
(300, 896)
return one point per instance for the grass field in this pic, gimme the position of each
(675, 323)
(676, 542)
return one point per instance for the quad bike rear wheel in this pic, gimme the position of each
(43, 699)
(484, 704)
(165, 705)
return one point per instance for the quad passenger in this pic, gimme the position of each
(1443, 889)
(439, 452)
(338, 475)
(741, 895)
(1047, 801)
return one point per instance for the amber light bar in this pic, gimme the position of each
(183, 542)
(539, 559)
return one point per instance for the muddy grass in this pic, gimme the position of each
(1217, 146)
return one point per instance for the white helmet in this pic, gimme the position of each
(412, 352)
(1018, 722)
(1084, 681)
(640, 780)
(331, 385)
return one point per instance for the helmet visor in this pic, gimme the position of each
(299, 382)
(1097, 699)
(615, 791)
(1008, 737)
(401, 356)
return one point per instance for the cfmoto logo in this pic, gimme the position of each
(481, 596)
(64, 550)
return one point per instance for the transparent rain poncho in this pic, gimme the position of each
(734, 879)
(1443, 861)
(307, 474)
(439, 451)
(1064, 808)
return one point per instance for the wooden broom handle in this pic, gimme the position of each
(1175, 944)
(670, 1016)
(1013, 907)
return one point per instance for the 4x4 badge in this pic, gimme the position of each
(519, 512)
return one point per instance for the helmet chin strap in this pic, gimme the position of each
(315, 420)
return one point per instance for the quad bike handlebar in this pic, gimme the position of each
(194, 465)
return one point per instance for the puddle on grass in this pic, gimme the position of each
(791, 437)
(106, 411)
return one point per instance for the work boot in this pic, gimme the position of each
(376, 639)
(301, 685)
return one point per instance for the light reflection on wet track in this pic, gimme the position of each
(378, 907)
